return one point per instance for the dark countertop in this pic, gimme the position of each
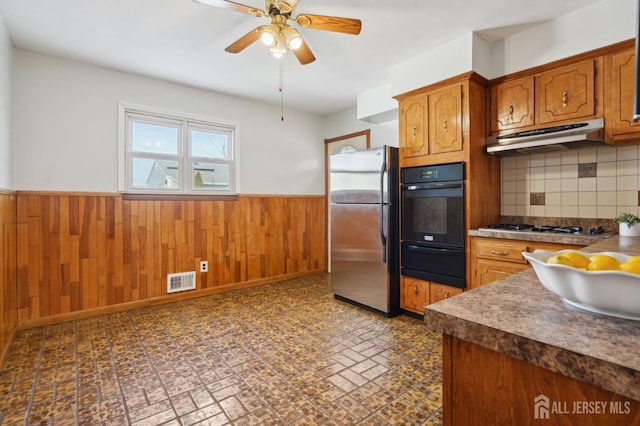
(517, 316)
(545, 237)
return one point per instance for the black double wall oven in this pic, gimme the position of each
(432, 227)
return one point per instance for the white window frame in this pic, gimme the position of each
(185, 123)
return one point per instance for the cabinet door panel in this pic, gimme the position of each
(413, 128)
(566, 93)
(414, 294)
(622, 86)
(445, 120)
(512, 105)
(487, 271)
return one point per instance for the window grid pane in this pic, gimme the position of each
(160, 174)
(209, 176)
(209, 144)
(153, 138)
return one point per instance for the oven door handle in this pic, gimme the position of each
(439, 250)
(417, 187)
(383, 238)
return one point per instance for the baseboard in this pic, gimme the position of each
(5, 351)
(103, 310)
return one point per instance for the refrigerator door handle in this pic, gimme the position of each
(383, 237)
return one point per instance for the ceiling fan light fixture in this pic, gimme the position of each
(268, 39)
(292, 37)
(279, 49)
(269, 35)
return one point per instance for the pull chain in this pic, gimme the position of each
(281, 89)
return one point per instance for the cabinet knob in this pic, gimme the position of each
(446, 294)
(415, 131)
(446, 125)
(499, 253)
(415, 289)
(565, 98)
(511, 110)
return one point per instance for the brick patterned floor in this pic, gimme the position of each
(281, 354)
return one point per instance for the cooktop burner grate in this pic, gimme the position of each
(511, 226)
(547, 228)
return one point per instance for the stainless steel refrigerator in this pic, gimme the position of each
(364, 238)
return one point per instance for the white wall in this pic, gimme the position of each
(601, 24)
(440, 63)
(6, 49)
(64, 118)
(592, 27)
(346, 123)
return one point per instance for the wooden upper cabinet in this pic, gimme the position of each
(619, 77)
(512, 105)
(567, 93)
(413, 122)
(445, 120)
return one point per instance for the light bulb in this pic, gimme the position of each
(292, 37)
(268, 38)
(277, 54)
(295, 42)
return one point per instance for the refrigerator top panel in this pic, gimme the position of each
(357, 177)
(369, 161)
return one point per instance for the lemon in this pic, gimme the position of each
(633, 267)
(560, 259)
(599, 257)
(603, 262)
(579, 260)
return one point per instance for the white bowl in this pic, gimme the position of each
(614, 293)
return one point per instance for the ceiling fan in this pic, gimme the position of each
(279, 35)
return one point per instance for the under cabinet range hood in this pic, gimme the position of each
(548, 139)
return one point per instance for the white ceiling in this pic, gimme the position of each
(183, 41)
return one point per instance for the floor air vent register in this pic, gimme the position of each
(181, 281)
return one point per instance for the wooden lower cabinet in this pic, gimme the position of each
(496, 258)
(438, 292)
(486, 271)
(415, 294)
(484, 387)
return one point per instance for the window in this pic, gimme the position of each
(169, 154)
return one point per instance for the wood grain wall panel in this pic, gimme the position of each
(8, 273)
(81, 252)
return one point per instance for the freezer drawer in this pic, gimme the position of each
(358, 265)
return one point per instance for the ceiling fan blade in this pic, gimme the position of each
(330, 23)
(304, 54)
(244, 41)
(225, 4)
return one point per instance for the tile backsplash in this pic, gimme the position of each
(597, 182)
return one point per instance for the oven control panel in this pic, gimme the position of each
(435, 173)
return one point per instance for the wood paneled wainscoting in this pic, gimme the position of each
(84, 254)
(8, 289)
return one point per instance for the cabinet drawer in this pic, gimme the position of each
(438, 292)
(508, 252)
